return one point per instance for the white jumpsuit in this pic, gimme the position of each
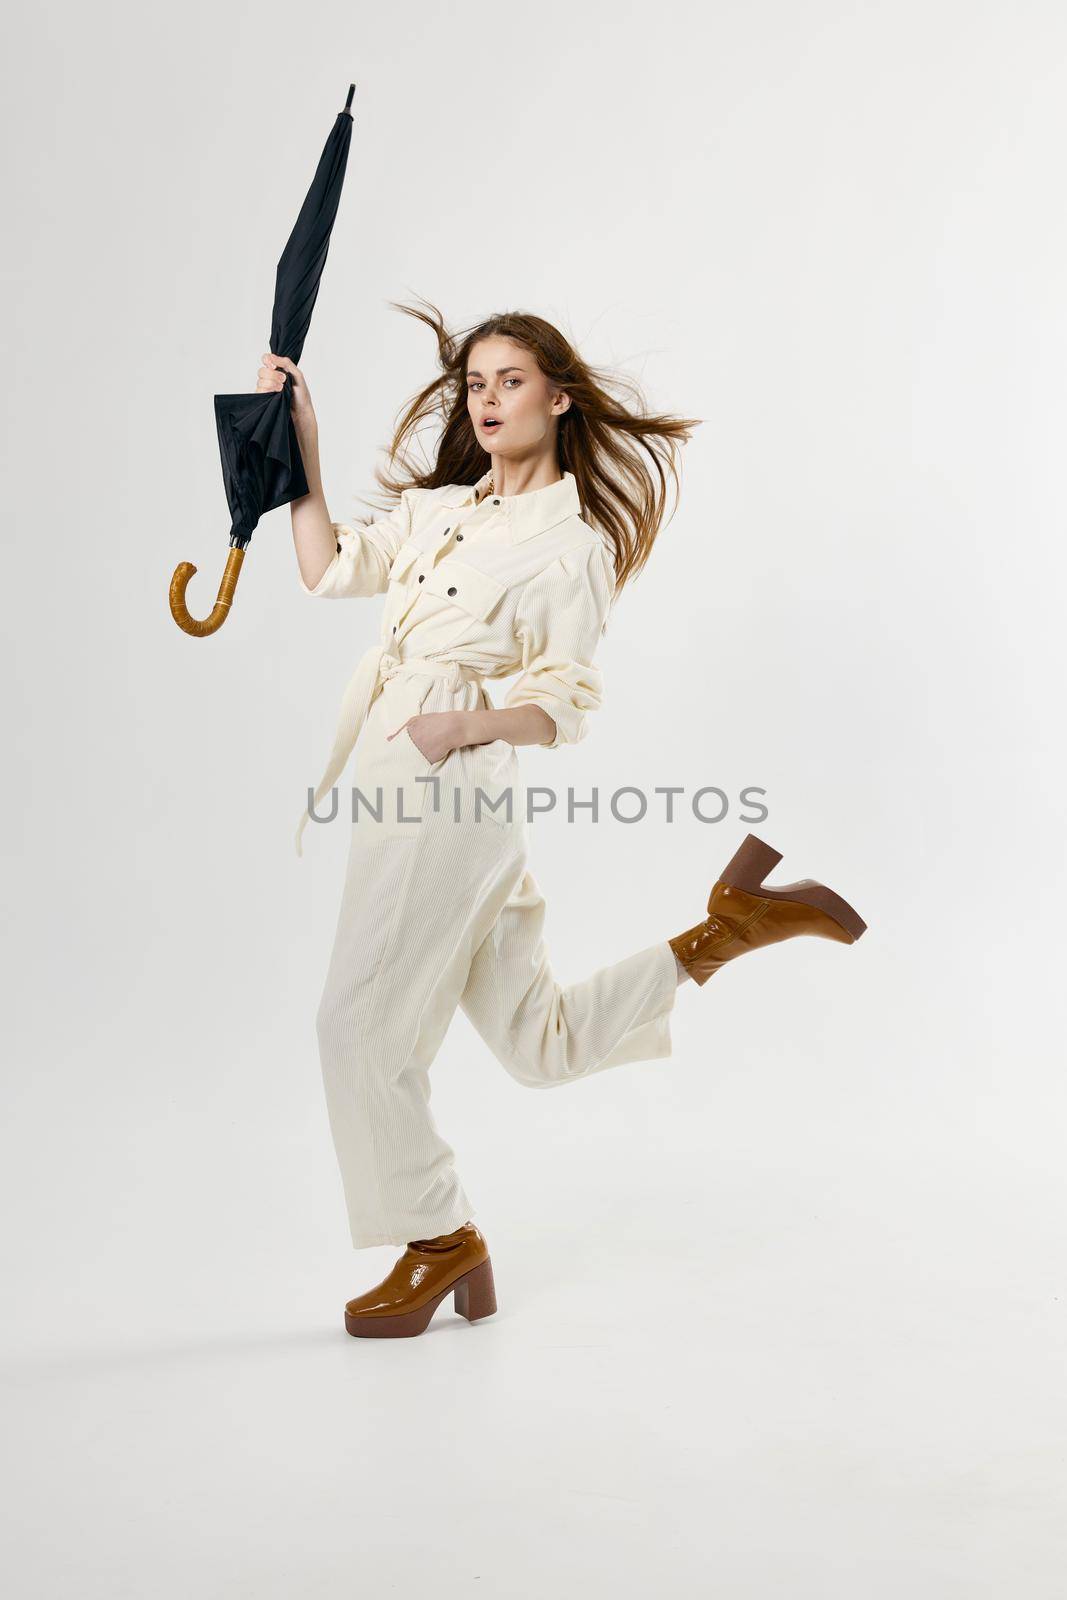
(439, 908)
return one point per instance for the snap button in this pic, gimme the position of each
(496, 502)
(458, 537)
(446, 533)
(451, 591)
(394, 627)
(338, 547)
(421, 576)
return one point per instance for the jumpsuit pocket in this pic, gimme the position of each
(496, 774)
(467, 588)
(403, 560)
(426, 765)
(391, 772)
(398, 585)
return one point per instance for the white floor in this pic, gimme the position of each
(833, 1377)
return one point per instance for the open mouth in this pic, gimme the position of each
(491, 422)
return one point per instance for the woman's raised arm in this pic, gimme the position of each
(313, 533)
(335, 562)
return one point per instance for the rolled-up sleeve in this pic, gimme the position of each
(561, 616)
(361, 562)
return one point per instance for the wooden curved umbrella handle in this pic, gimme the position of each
(221, 610)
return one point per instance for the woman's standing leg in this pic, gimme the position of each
(418, 901)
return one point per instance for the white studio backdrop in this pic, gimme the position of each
(832, 231)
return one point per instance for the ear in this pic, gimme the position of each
(561, 402)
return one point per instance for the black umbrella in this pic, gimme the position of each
(261, 462)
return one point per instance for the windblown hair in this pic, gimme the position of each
(620, 454)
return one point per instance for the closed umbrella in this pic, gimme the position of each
(261, 464)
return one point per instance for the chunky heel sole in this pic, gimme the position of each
(751, 863)
(476, 1293)
(475, 1296)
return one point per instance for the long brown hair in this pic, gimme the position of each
(621, 455)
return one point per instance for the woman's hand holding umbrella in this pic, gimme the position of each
(261, 434)
(312, 528)
(272, 378)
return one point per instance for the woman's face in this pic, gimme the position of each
(505, 384)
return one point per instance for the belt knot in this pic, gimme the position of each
(391, 666)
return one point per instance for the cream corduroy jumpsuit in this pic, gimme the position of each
(438, 907)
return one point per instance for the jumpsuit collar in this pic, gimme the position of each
(524, 514)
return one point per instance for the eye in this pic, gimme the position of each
(474, 385)
(512, 380)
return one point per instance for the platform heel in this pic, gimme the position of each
(743, 914)
(427, 1273)
(751, 863)
(475, 1294)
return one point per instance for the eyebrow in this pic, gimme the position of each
(473, 373)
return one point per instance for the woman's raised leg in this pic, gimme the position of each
(546, 1033)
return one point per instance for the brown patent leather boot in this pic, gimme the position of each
(745, 915)
(403, 1303)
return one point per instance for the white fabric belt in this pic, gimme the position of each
(374, 667)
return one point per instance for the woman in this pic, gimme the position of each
(545, 498)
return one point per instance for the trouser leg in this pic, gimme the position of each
(412, 915)
(545, 1033)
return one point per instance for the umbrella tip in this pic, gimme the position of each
(351, 92)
